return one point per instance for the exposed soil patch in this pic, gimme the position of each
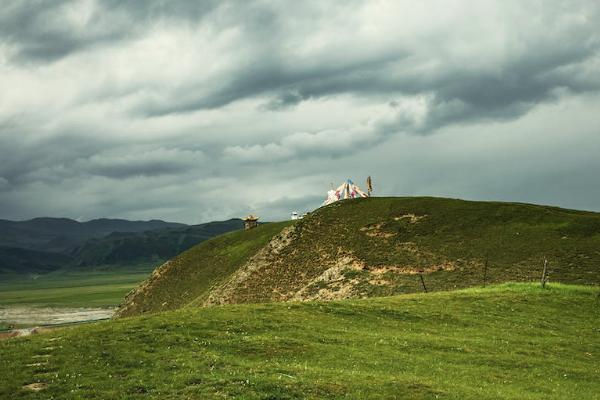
(378, 229)
(412, 218)
(37, 364)
(375, 230)
(225, 293)
(35, 387)
(413, 270)
(19, 332)
(40, 356)
(379, 282)
(332, 284)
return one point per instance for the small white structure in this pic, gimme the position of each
(347, 190)
(296, 215)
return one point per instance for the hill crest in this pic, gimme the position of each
(378, 247)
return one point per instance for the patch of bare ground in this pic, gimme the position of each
(37, 364)
(412, 218)
(379, 282)
(332, 284)
(335, 285)
(378, 229)
(224, 294)
(36, 386)
(412, 270)
(375, 230)
(18, 333)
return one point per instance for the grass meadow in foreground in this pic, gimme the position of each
(513, 341)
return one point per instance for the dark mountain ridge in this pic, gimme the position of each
(43, 245)
(150, 246)
(63, 234)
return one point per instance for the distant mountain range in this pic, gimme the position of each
(44, 245)
(62, 234)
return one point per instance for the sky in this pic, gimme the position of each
(193, 111)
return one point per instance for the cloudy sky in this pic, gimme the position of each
(193, 111)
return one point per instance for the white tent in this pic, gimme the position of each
(347, 190)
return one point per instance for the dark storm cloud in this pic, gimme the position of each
(140, 162)
(23, 160)
(269, 74)
(219, 107)
(52, 159)
(43, 31)
(38, 32)
(460, 92)
(463, 91)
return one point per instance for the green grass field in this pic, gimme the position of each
(513, 341)
(72, 289)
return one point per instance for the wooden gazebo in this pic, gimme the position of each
(251, 221)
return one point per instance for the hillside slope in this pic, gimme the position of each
(509, 342)
(378, 247)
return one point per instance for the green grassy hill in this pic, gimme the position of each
(378, 247)
(506, 342)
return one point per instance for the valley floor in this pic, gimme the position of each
(65, 296)
(513, 341)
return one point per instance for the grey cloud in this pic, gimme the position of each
(286, 84)
(284, 100)
(137, 162)
(24, 158)
(71, 156)
(213, 109)
(325, 143)
(460, 92)
(40, 31)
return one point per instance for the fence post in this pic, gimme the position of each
(423, 282)
(485, 267)
(544, 271)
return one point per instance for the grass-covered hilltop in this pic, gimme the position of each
(378, 247)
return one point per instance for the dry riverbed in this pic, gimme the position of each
(33, 316)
